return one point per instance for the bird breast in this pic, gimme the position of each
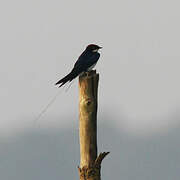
(91, 67)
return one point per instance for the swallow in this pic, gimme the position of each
(86, 62)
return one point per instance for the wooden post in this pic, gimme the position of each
(90, 164)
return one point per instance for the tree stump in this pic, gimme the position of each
(90, 164)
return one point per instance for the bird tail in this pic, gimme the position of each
(67, 78)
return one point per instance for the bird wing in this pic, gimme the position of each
(85, 61)
(82, 64)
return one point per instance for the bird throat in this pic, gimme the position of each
(95, 50)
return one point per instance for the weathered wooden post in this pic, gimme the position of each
(90, 164)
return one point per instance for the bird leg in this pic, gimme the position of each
(88, 73)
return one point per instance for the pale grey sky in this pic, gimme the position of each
(139, 71)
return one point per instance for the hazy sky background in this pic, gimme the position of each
(138, 90)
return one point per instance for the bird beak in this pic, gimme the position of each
(100, 47)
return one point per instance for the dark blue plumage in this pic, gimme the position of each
(86, 61)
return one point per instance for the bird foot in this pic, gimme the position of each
(87, 73)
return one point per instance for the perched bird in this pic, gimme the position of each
(86, 62)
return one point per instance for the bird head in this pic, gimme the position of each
(93, 47)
